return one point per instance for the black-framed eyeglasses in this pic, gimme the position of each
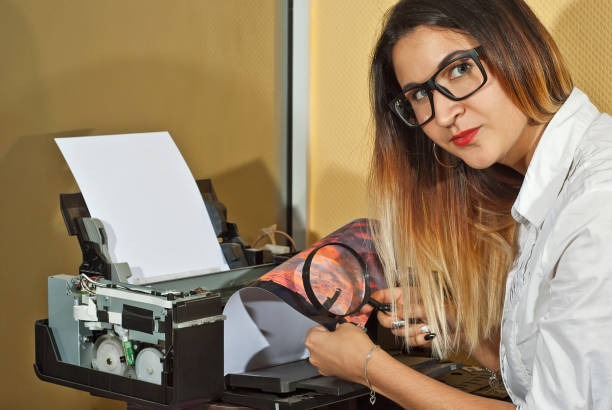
(458, 79)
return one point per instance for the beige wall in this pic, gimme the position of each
(205, 70)
(343, 35)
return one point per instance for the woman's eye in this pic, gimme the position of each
(418, 94)
(460, 70)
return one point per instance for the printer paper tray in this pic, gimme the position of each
(289, 377)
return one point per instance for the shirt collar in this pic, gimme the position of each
(552, 158)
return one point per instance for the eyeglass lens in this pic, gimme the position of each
(457, 80)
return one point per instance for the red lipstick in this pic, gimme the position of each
(465, 137)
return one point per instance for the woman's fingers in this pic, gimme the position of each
(418, 332)
(381, 296)
(384, 295)
(413, 330)
(422, 340)
(384, 319)
(416, 312)
(418, 335)
(367, 308)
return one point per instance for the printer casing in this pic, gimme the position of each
(187, 329)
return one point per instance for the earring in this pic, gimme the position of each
(440, 162)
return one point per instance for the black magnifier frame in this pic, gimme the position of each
(366, 277)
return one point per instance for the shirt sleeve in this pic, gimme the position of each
(573, 358)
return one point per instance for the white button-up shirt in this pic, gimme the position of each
(556, 350)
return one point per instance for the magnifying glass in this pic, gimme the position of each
(337, 282)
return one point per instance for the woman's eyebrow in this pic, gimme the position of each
(447, 58)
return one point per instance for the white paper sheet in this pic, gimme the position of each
(261, 330)
(141, 189)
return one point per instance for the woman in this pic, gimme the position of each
(490, 176)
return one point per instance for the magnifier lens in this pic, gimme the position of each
(337, 279)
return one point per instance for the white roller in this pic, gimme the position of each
(149, 366)
(108, 352)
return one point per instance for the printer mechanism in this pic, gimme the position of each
(155, 345)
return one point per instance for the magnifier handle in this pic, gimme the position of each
(383, 307)
(331, 326)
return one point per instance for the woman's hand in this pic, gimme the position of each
(486, 352)
(419, 333)
(339, 353)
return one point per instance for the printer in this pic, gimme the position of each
(156, 345)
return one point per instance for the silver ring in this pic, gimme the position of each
(396, 324)
(424, 329)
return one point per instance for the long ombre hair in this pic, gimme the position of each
(447, 234)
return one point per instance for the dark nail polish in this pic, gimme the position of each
(430, 336)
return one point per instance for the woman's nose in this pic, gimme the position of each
(446, 110)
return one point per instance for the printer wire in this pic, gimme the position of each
(89, 285)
